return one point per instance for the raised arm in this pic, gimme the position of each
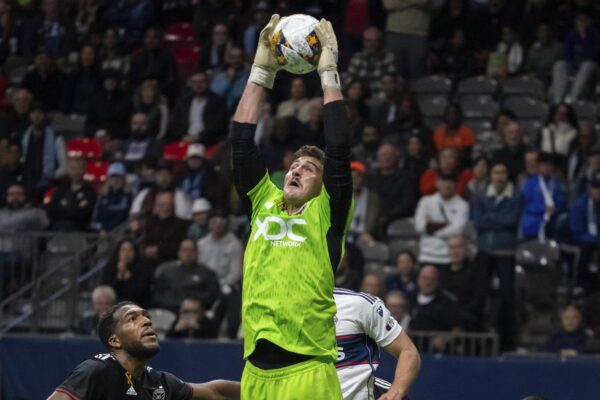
(248, 165)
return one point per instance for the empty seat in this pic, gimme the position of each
(175, 151)
(479, 108)
(531, 130)
(375, 252)
(538, 254)
(180, 32)
(70, 125)
(527, 107)
(402, 228)
(479, 126)
(523, 85)
(431, 86)
(585, 110)
(477, 86)
(187, 58)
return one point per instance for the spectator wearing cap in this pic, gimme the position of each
(140, 143)
(45, 81)
(584, 223)
(592, 167)
(199, 115)
(393, 185)
(439, 216)
(199, 178)
(367, 207)
(222, 252)
(144, 202)
(109, 109)
(44, 155)
(231, 80)
(453, 133)
(512, 153)
(112, 207)
(366, 151)
(72, 204)
(201, 209)
(164, 230)
(448, 163)
(543, 197)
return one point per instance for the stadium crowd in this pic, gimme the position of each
(154, 84)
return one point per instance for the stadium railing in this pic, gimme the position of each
(469, 344)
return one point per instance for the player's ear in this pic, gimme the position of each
(114, 341)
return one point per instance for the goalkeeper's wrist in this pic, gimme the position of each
(330, 79)
(262, 76)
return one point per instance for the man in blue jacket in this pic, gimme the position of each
(584, 222)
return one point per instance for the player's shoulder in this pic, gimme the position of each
(357, 298)
(98, 365)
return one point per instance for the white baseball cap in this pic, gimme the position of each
(195, 150)
(201, 205)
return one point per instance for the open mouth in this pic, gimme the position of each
(149, 333)
(294, 183)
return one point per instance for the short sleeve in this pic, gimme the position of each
(179, 389)
(263, 190)
(380, 325)
(85, 382)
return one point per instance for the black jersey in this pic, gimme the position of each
(102, 378)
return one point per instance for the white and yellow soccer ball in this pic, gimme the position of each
(295, 44)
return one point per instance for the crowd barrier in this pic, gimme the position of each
(32, 366)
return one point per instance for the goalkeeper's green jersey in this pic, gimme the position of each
(288, 277)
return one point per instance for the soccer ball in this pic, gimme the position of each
(295, 44)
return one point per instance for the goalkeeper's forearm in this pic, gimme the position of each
(248, 109)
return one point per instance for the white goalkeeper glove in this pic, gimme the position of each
(327, 67)
(265, 65)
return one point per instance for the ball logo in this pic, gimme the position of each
(282, 229)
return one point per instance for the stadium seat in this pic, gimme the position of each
(179, 33)
(91, 149)
(397, 245)
(69, 126)
(187, 59)
(162, 320)
(479, 108)
(48, 195)
(431, 86)
(378, 252)
(96, 173)
(477, 86)
(531, 129)
(522, 85)
(402, 229)
(527, 108)
(479, 125)
(585, 110)
(175, 151)
(432, 109)
(17, 75)
(538, 254)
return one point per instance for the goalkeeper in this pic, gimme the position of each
(296, 241)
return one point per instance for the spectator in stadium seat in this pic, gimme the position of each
(213, 55)
(453, 133)
(371, 62)
(82, 83)
(230, 80)
(14, 121)
(456, 59)
(466, 281)
(310, 132)
(164, 231)
(543, 198)
(12, 171)
(579, 153)
(140, 143)
(513, 150)
(543, 53)
(143, 203)
(103, 297)
(513, 49)
(367, 208)
(448, 163)
(408, 121)
(480, 179)
(571, 338)
(393, 185)
(112, 207)
(17, 216)
(72, 204)
(406, 31)
(372, 284)
(593, 166)
(559, 134)
(149, 101)
(199, 178)
(111, 53)
(51, 31)
(199, 115)
(438, 217)
(489, 141)
(582, 52)
(156, 63)
(201, 209)
(404, 278)
(88, 16)
(417, 160)
(192, 321)
(134, 17)
(109, 108)
(184, 276)
(43, 153)
(262, 13)
(431, 309)
(356, 95)
(45, 81)
(296, 105)
(126, 272)
(366, 151)
(532, 167)
(397, 302)
(382, 108)
(584, 223)
(11, 26)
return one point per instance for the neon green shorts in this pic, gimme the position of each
(315, 379)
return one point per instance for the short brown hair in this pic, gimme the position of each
(310, 151)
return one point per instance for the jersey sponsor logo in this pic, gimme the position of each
(159, 394)
(283, 230)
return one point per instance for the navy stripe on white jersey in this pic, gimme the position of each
(366, 296)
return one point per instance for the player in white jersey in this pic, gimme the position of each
(363, 325)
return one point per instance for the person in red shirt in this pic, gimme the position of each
(453, 133)
(447, 164)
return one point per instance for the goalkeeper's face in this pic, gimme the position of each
(303, 181)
